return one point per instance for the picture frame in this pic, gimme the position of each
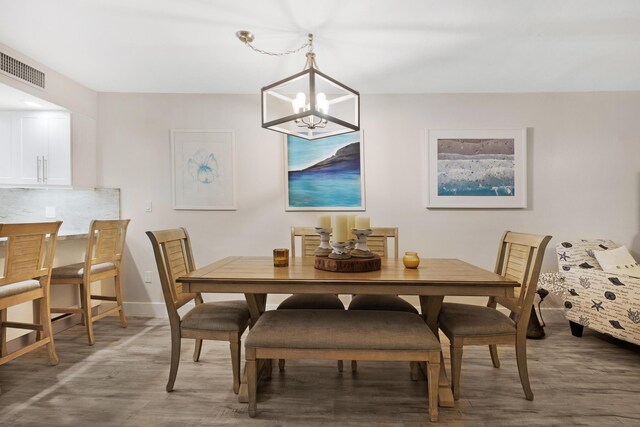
(476, 169)
(203, 173)
(325, 174)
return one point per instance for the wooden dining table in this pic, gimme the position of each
(435, 278)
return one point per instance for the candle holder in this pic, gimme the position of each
(324, 249)
(351, 245)
(339, 251)
(361, 250)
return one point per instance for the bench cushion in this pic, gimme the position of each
(312, 302)
(474, 320)
(382, 303)
(75, 271)
(18, 288)
(342, 330)
(224, 316)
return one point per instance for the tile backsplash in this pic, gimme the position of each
(76, 208)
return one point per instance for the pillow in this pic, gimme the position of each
(618, 261)
(580, 253)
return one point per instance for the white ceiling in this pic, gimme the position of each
(374, 46)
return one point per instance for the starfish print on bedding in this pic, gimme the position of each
(563, 256)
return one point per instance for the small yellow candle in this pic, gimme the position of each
(351, 223)
(362, 223)
(339, 224)
(324, 221)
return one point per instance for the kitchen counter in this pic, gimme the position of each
(60, 238)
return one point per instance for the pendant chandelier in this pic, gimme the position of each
(308, 104)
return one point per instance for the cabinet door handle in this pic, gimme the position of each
(38, 167)
(44, 169)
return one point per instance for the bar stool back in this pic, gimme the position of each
(26, 276)
(102, 261)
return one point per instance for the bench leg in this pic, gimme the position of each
(433, 377)
(252, 380)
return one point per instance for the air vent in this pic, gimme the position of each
(21, 71)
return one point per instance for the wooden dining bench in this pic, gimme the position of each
(340, 335)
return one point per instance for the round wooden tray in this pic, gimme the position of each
(351, 265)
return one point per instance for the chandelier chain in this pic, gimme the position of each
(308, 43)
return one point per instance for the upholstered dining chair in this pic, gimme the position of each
(378, 243)
(26, 276)
(519, 258)
(309, 242)
(102, 260)
(220, 321)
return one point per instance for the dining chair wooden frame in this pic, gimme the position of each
(174, 258)
(103, 260)
(519, 258)
(26, 277)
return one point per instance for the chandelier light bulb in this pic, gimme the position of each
(299, 103)
(322, 104)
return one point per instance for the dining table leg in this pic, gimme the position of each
(430, 306)
(257, 305)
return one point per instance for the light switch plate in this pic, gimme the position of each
(147, 277)
(147, 206)
(50, 212)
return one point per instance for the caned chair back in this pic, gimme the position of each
(377, 241)
(105, 242)
(520, 259)
(174, 258)
(29, 251)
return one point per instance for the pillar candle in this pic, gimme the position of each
(362, 223)
(351, 223)
(324, 221)
(339, 224)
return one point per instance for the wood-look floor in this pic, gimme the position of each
(593, 380)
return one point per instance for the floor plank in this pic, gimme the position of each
(120, 381)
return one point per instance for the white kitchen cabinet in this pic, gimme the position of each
(39, 148)
(6, 147)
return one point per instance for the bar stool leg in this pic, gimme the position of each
(3, 332)
(116, 284)
(85, 301)
(47, 330)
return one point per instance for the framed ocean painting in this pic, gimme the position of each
(476, 168)
(325, 174)
(203, 170)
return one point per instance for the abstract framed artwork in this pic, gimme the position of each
(325, 174)
(476, 168)
(203, 170)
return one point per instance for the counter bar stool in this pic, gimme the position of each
(102, 261)
(221, 321)
(27, 272)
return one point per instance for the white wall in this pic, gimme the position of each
(583, 158)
